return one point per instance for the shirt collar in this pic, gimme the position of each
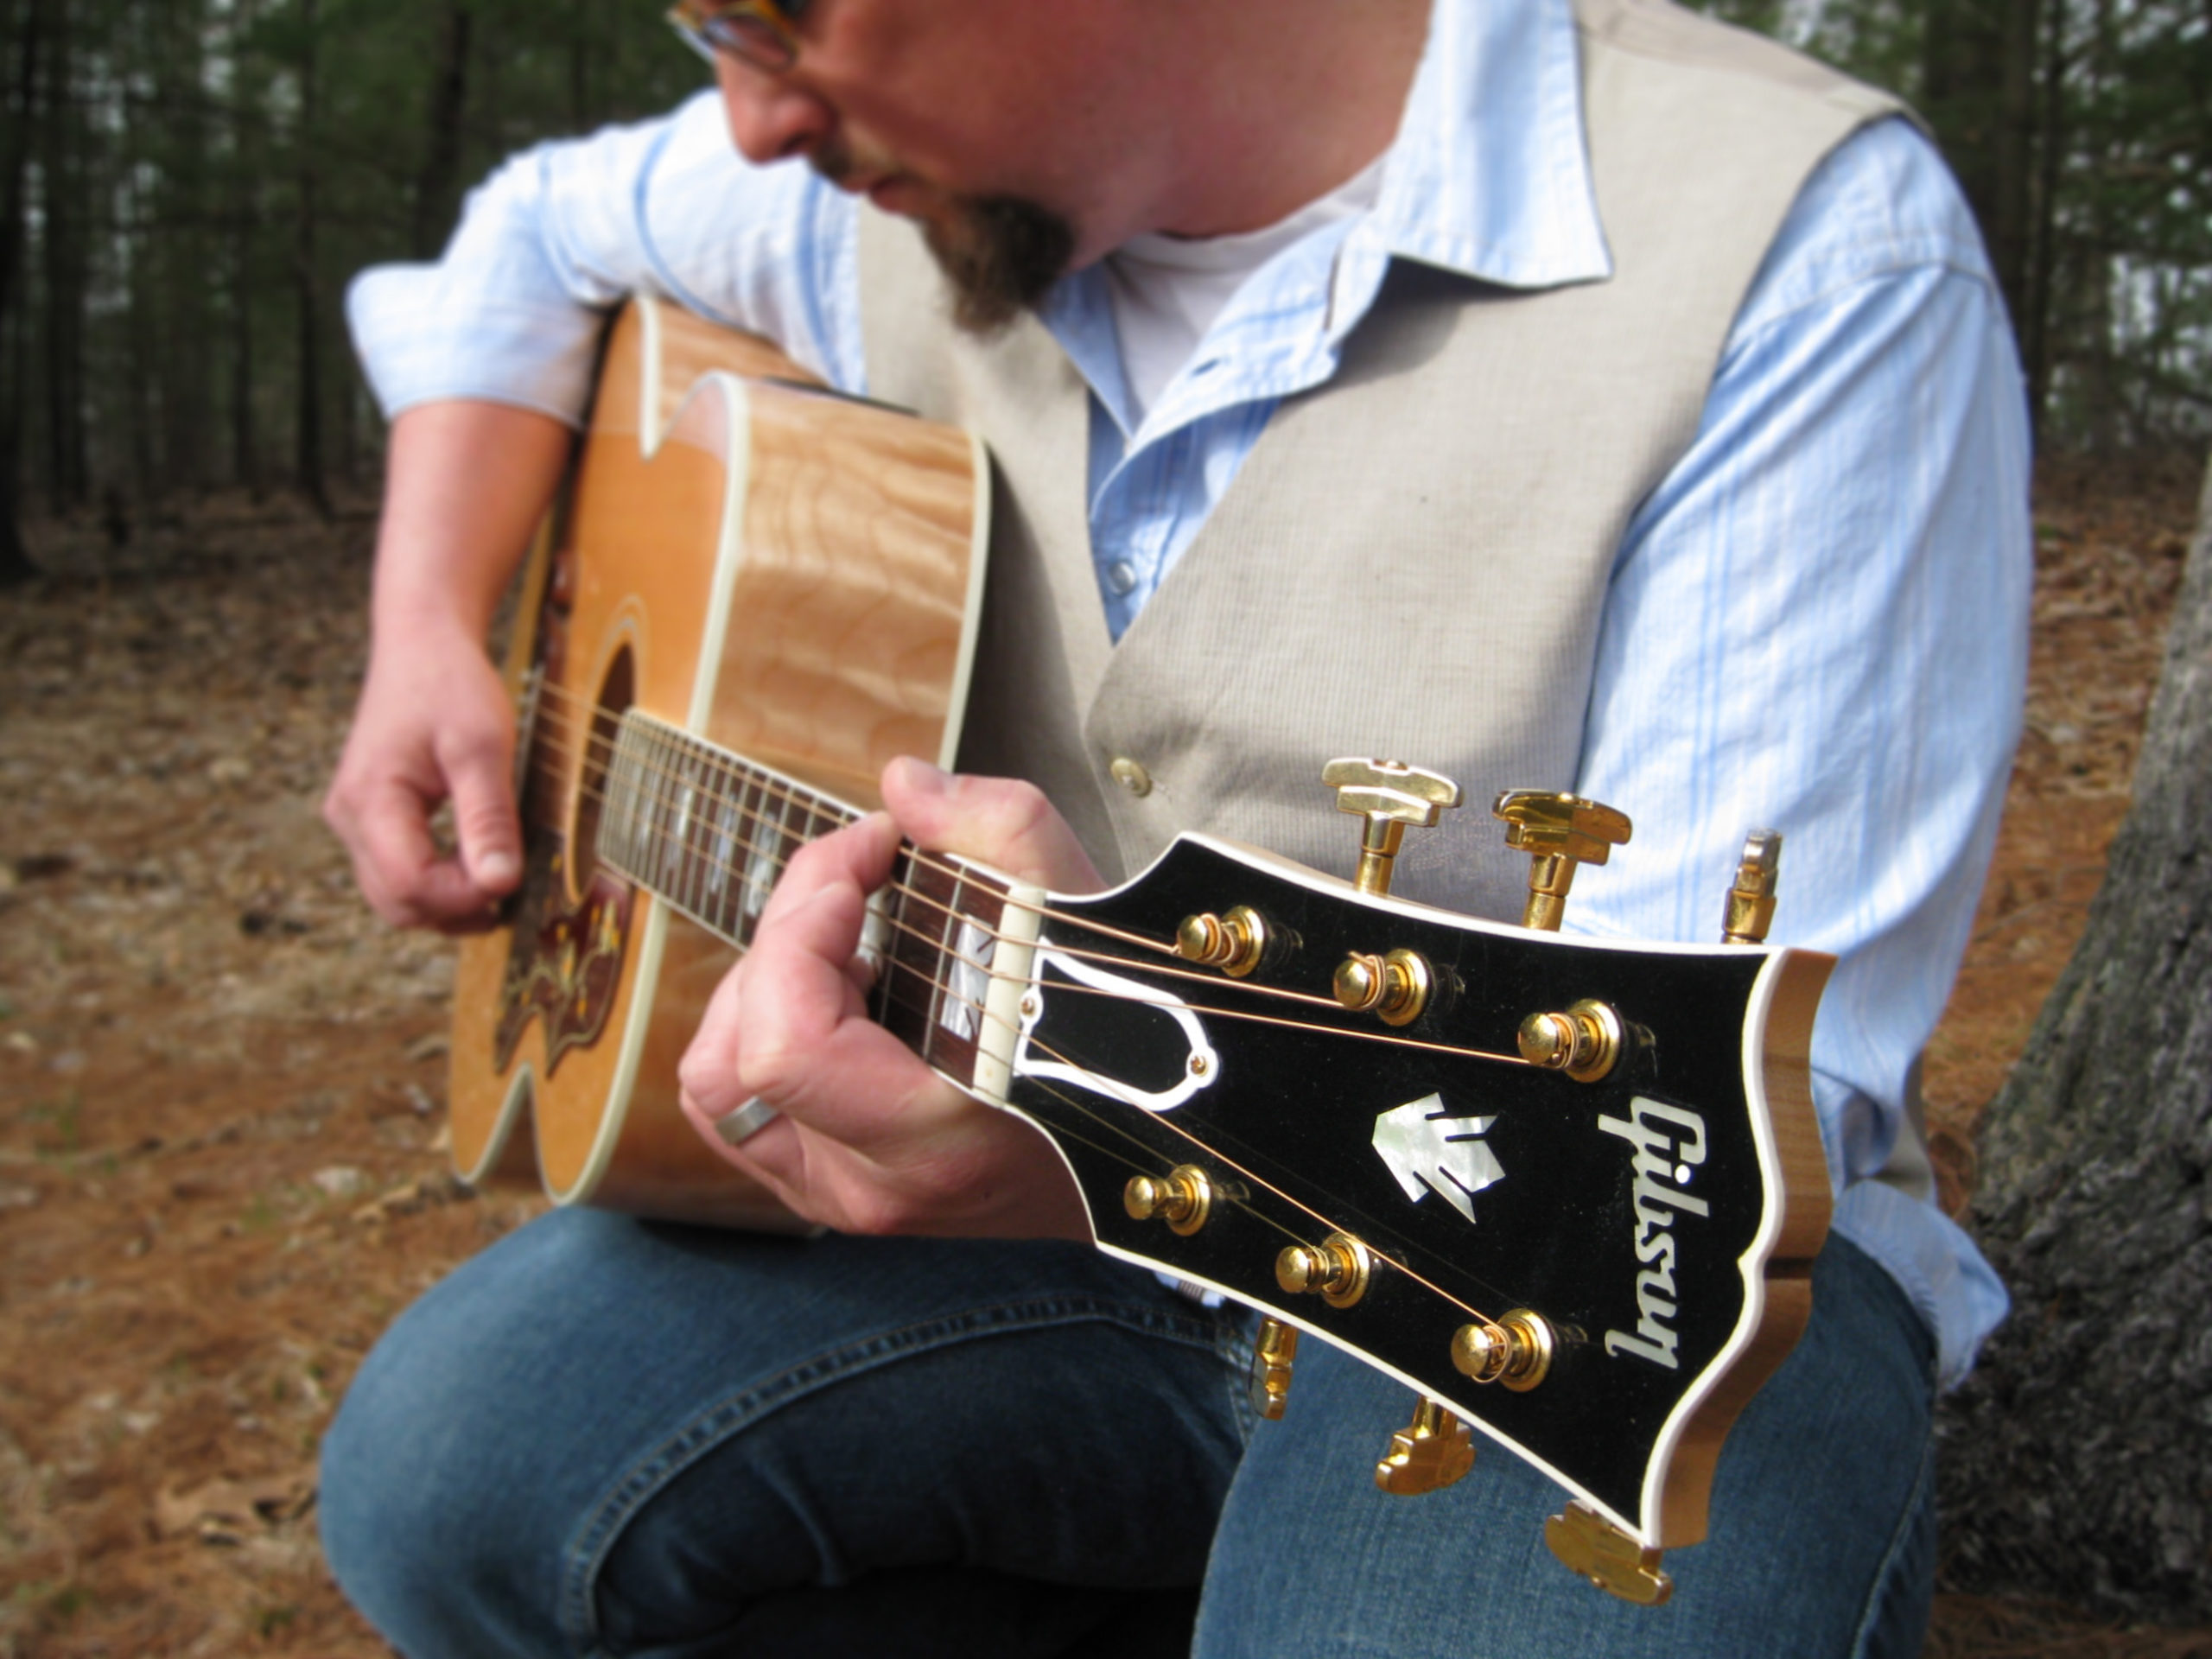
(1489, 175)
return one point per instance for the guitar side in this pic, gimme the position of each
(777, 569)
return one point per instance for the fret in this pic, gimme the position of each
(609, 847)
(943, 942)
(633, 840)
(742, 907)
(695, 800)
(641, 851)
(767, 860)
(669, 841)
(971, 935)
(706, 829)
(724, 848)
(907, 999)
(670, 783)
(618, 833)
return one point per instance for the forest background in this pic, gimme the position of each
(187, 465)
(185, 186)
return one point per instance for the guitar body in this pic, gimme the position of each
(771, 567)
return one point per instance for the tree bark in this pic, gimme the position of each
(22, 102)
(2077, 1461)
(64, 265)
(436, 183)
(306, 433)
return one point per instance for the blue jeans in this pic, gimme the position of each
(603, 1437)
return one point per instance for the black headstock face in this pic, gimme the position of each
(1640, 1215)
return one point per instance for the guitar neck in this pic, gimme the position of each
(709, 831)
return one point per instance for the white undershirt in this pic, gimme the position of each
(1167, 291)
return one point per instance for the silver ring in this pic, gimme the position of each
(746, 1122)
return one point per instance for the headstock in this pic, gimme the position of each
(1565, 1189)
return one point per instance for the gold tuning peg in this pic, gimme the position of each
(1182, 1198)
(1751, 901)
(1593, 1547)
(1434, 1450)
(1557, 832)
(1273, 1351)
(1389, 795)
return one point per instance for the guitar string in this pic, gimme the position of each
(552, 767)
(942, 988)
(936, 944)
(1387, 1038)
(661, 840)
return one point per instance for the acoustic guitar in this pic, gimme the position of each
(1569, 1191)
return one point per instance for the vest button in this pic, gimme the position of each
(1131, 776)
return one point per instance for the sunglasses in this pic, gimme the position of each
(762, 32)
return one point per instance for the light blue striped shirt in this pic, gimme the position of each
(1817, 622)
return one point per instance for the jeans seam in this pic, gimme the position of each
(1878, 1595)
(605, 1520)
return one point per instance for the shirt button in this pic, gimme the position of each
(1131, 776)
(1121, 575)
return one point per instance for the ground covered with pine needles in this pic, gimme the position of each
(221, 1169)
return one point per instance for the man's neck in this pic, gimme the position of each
(1286, 102)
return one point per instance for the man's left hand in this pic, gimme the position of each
(869, 1139)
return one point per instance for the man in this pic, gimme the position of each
(1592, 399)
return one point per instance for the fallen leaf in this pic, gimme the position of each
(224, 1511)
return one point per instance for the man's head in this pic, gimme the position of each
(1030, 138)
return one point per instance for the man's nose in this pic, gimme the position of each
(769, 117)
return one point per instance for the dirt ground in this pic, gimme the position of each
(220, 1159)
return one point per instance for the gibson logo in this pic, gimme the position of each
(1668, 1141)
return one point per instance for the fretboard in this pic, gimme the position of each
(708, 832)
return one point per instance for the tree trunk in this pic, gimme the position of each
(22, 102)
(1977, 72)
(2036, 320)
(2077, 1462)
(434, 185)
(64, 246)
(307, 426)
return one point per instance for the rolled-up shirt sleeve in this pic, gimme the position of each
(511, 311)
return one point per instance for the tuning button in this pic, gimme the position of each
(1389, 795)
(1515, 1350)
(1233, 942)
(1182, 1198)
(1751, 901)
(1585, 1042)
(1337, 1270)
(1558, 832)
(1273, 1350)
(1432, 1450)
(1595, 1548)
(1394, 988)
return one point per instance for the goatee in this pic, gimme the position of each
(1002, 254)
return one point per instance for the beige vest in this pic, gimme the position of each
(1413, 562)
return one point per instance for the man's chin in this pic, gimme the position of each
(1000, 254)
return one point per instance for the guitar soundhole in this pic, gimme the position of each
(616, 692)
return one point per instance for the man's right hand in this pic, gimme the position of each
(466, 484)
(433, 723)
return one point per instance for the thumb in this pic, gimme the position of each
(484, 815)
(1002, 822)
